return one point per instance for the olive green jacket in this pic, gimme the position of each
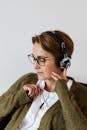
(68, 113)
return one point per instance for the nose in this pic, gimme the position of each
(36, 65)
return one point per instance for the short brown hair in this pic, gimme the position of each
(49, 44)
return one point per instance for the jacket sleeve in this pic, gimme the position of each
(16, 96)
(73, 116)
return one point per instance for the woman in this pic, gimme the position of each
(47, 99)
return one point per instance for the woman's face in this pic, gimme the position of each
(44, 71)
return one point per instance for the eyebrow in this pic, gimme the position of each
(39, 56)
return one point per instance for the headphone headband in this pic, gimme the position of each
(55, 36)
(65, 62)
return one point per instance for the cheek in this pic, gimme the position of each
(50, 68)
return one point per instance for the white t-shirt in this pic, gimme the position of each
(38, 108)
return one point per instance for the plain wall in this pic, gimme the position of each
(21, 19)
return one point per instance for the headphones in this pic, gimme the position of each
(64, 62)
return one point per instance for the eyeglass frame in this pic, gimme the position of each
(38, 59)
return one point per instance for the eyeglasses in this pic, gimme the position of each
(40, 60)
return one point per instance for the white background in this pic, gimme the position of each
(21, 19)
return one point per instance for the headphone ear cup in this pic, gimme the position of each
(65, 62)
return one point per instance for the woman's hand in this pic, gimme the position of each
(60, 76)
(32, 90)
(56, 77)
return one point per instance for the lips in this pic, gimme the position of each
(39, 72)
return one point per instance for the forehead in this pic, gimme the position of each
(37, 50)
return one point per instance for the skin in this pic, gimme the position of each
(49, 72)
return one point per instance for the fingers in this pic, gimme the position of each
(32, 90)
(55, 76)
(64, 72)
(61, 76)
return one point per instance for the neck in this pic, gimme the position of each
(49, 86)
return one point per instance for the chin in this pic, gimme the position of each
(43, 78)
(40, 78)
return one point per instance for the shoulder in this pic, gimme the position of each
(28, 78)
(81, 88)
(22, 80)
(78, 86)
(82, 92)
(79, 91)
